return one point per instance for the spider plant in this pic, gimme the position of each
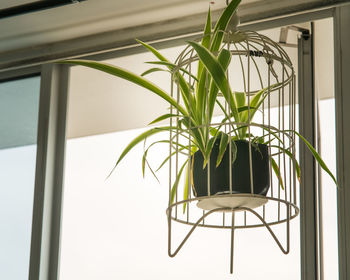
(199, 97)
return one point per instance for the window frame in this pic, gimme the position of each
(48, 192)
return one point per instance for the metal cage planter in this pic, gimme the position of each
(257, 173)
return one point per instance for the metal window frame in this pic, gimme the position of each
(34, 6)
(342, 100)
(48, 192)
(44, 261)
(308, 184)
(19, 73)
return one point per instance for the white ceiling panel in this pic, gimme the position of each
(91, 17)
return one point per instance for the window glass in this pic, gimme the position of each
(324, 85)
(329, 190)
(19, 103)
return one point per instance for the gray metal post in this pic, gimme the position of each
(342, 102)
(308, 193)
(44, 254)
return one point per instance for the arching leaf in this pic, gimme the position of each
(129, 76)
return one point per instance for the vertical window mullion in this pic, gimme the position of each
(49, 173)
(342, 102)
(308, 191)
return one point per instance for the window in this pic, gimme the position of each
(19, 103)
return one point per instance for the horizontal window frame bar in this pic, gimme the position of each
(20, 73)
(34, 6)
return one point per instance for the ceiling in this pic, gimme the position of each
(91, 17)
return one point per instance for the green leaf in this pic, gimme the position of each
(217, 73)
(185, 90)
(257, 100)
(186, 189)
(224, 59)
(173, 66)
(277, 172)
(207, 31)
(201, 95)
(239, 109)
(195, 132)
(288, 153)
(233, 151)
(226, 115)
(268, 141)
(176, 183)
(162, 118)
(222, 148)
(173, 143)
(129, 76)
(136, 141)
(274, 135)
(316, 156)
(152, 50)
(222, 23)
(152, 70)
(144, 160)
(208, 150)
(245, 108)
(144, 163)
(166, 159)
(172, 154)
(253, 103)
(205, 41)
(213, 131)
(240, 97)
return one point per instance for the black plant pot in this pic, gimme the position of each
(219, 176)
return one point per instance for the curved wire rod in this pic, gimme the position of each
(270, 223)
(186, 61)
(281, 221)
(232, 241)
(190, 232)
(285, 251)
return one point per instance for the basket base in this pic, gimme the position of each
(248, 200)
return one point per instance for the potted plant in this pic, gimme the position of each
(209, 146)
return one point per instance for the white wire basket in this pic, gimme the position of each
(254, 184)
